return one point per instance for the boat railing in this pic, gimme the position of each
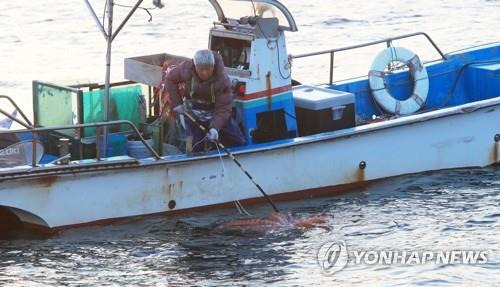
(388, 41)
(97, 86)
(27, 122)
(98, 125)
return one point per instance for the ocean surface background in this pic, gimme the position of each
(57, 41)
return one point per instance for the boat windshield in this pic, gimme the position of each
(235, 9)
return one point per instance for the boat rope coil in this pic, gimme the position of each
(380, 88)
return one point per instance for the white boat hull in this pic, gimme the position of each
(457, 137)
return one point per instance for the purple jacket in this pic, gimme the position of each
(222, 88)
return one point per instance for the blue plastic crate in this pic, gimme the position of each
(247, 111)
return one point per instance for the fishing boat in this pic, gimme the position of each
(404, 116)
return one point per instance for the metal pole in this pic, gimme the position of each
(17, 109)
(15, 119)
(98, 144)
(331, 66)
(33, 150)
(150, 107)
(96, 19)
(108, 74)
(389, 65)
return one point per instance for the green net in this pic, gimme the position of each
(125, 103)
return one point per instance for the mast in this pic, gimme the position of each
(107, 79)
(110, 36)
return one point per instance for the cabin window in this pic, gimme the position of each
(235, 52)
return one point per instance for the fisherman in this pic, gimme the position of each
(209, 99)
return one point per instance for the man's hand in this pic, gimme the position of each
(213, 135)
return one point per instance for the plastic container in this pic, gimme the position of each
(317, 98)
(117, 145)
(138, 150)
(255, 115)
(323, 110)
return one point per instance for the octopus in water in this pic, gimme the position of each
(278, 221)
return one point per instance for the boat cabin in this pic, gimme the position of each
(250, 37)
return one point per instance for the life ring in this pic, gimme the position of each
(378, 84)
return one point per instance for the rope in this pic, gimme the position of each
(240, 208)
(254, 10)
(290, 115)
(459, 75)
(279, 62)
(238, 204)
(269, 41)
(392, 56)
(104, 12)
(199, 142)
(221, 161)
(145, 9)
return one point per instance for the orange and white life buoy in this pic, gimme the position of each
(379, 88)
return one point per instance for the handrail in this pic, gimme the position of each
(56, 86)
(17, 109)
(93, 86)
(79, 86)
(89, 125)
(386, 40)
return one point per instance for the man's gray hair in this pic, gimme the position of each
(204, 58)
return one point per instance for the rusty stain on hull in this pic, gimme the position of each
(268, 89)
(47, 181)
(170, 191)
(8, 220)
(360, 175)
(495, 153)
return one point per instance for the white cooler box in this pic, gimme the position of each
(323, 110)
